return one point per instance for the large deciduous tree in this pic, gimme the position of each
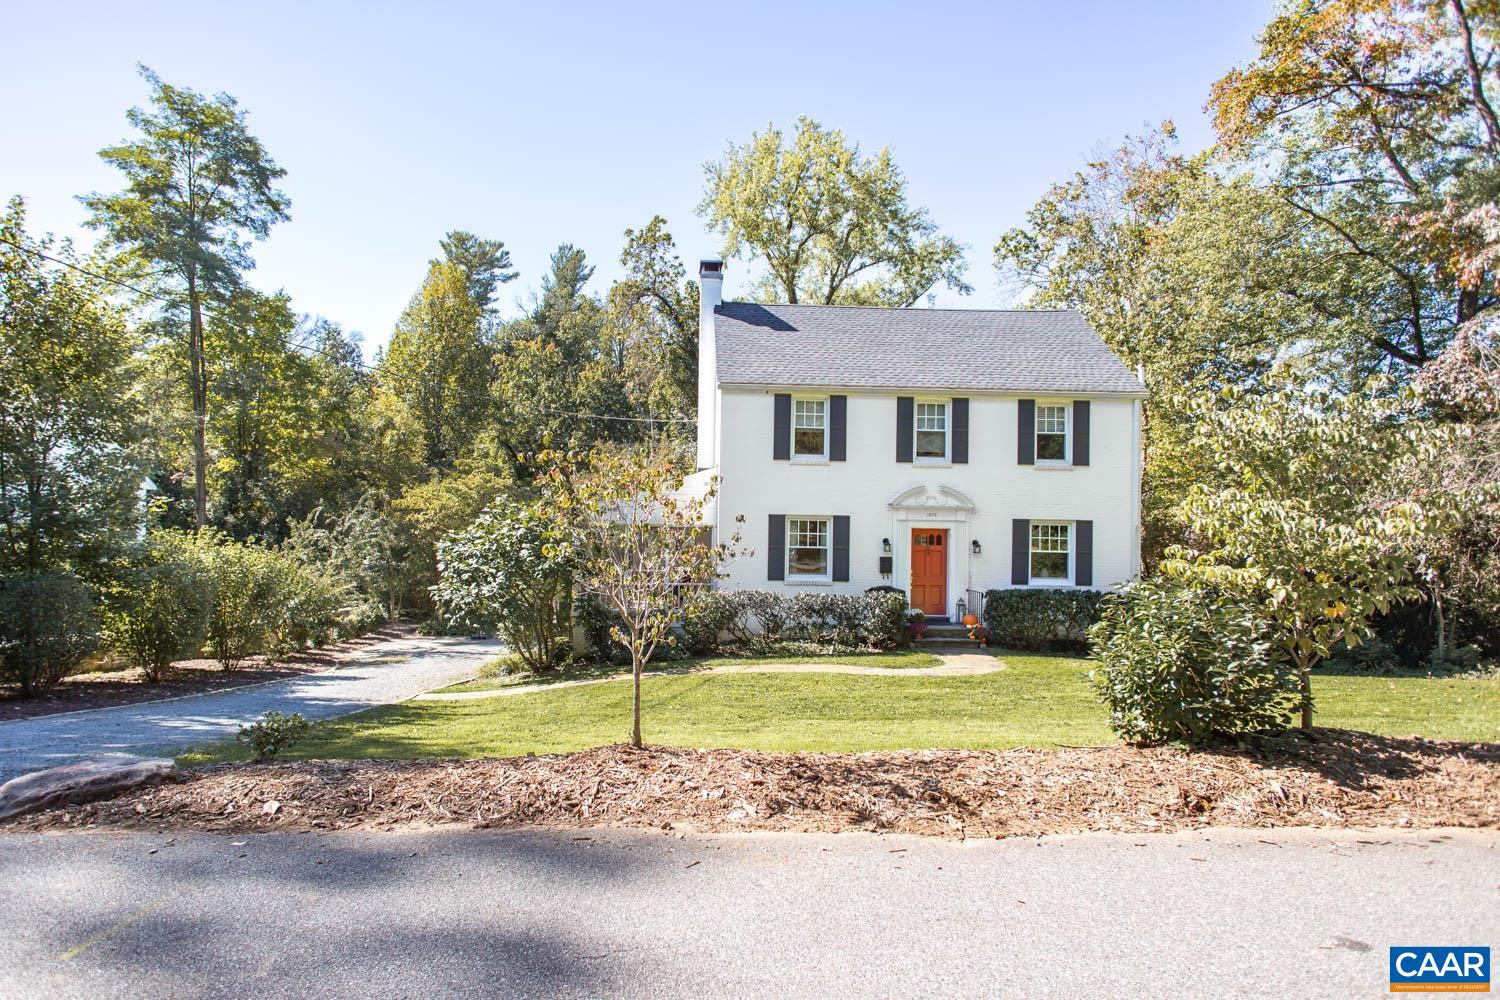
(70, 426)
(831, 225)
(560, 382)
(198, 188)
(1376, 119)
(285, 438)
(438, 364)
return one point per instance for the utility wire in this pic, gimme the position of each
(307, 347)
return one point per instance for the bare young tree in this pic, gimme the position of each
(637, 542)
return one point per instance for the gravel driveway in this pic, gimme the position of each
(390, 672)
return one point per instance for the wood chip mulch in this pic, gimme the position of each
(1337, 779)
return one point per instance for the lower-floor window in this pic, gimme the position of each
(1049, 551)
(807, 547)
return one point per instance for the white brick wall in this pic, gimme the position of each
(753, 484)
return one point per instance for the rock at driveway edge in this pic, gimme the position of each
(81, 782)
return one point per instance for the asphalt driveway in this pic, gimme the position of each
(1222, 913)
(389, 672)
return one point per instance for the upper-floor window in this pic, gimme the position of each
(932, 432)
(1050, 546)
(810, 428)
(807, 548)
(1051, 432)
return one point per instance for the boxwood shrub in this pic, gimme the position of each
(765, 621)
(1041, 618)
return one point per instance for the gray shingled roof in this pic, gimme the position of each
(857, 346)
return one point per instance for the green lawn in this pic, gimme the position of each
(1035, 701)
(494, 676)
(1444, 708)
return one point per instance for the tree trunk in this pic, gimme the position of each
(1304, 677)
(1468, 305)
(635, 708)
(197, 366)
(1442, 623)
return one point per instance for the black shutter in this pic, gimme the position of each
(838, 428)
(841, 548)
(1020, 552)
(1026, 432)
(1083, 559)
(1080, 432)
(905, 420)
(960, 430)
(781, 447)
(776, 548)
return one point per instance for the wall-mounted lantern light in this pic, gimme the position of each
(975, 547)
(885, 545)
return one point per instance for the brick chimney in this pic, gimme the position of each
(710, 297)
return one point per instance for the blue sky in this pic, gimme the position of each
(540, 123)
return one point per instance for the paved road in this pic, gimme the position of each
(389, 672)
(648, 914)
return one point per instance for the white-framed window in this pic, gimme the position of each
(1051, 552)
(807, 548)
(1052, 432)
(931, 432)
(810, 428)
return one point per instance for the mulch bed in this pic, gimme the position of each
(128, 687)
(1335, 779)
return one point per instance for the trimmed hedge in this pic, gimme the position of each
(1041, 618)
(762, 621)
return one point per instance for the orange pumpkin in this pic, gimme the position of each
(971, 619)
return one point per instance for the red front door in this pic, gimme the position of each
(929, 570)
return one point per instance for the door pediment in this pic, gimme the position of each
(923, 497)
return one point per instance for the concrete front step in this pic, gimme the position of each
(926, 645)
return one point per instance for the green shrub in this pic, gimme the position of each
(1456, 661)
(1040, 618)
(157, 610)
(273, 734)
(47, 627)
(767, 616)
(1372, 657)
(1185, 664)
(706, 619)
(596, 622)
(883, 619)
(249, 586)
(508, 572)
(827, 619)
(359, 618)
(308, 608)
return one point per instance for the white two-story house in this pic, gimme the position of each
(942, 451)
